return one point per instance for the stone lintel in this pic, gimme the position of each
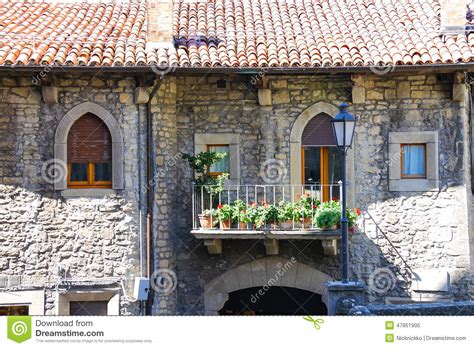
(214, 246)
(330, 247)
(271, 246)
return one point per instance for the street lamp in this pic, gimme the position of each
(343, 126)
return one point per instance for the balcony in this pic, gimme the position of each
(267, 212)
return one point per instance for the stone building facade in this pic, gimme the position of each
(61, 245)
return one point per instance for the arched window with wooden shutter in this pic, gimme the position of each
(89, 153)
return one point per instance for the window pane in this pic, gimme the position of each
(312, 165)
(102, 172)
(413, 157)
(223, 165)
(78, 171)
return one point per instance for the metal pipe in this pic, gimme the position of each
(150, 191)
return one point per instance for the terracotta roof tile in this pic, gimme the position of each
(231, 33)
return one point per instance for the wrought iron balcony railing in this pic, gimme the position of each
(250, 205)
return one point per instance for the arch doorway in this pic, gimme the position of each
(275, 275)
(275, 300)
(320, 158)
(314, 159)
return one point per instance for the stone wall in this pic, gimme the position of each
(428, 228)
(95, 238)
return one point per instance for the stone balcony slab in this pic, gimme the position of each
(213, 238)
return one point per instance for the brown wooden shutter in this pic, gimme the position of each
(88, 307)
(89, 140)
(318, 132)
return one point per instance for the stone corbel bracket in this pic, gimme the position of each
(50, 94)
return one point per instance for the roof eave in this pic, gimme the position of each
(134, 70)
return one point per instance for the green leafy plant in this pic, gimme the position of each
(200, 165)
(256, 214)
(352, 216)
(211, 213)
(225, 212)
(271, 214)
(286, 211)
(306, 207)
(240, 213)
(328, 214)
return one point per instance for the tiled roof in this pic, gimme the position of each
(46, 33)
(315, 33)
(231, 33)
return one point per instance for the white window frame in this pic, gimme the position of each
(396, 182)
(202, 140)
(34, 299)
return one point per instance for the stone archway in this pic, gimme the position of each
(271, 271)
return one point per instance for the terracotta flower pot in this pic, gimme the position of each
(329, 228)
(273, 226)
(306, 223)
(206, 221)
(242, 225)
(225, 224)
(286, 225)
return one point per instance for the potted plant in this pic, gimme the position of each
(256, 215)
(240, 214)
(352, 216)
(200, 165)
(271, 216)
(225, 212)
(328, 215)
(208, 218)
(286, 215)
(305, 211)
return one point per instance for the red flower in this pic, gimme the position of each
(254, 204)
(335, 199)
(307, 194)
(315, 206)
(219, 206)
(357, 210)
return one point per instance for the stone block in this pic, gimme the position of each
(459, 93)
(50, 95)
(358, 95)
(281, 97)
(265, 97)
(404, 90)
(141, 95)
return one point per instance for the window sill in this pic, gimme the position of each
(87, 192)
(414, 185)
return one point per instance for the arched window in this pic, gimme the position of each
(320, 158)
(89, 154)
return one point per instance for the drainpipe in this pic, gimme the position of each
(150, 192)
